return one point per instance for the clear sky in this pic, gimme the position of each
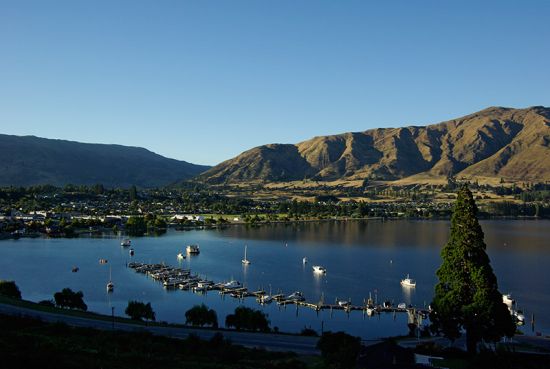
(202, 81)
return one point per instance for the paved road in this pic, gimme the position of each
(272, 342)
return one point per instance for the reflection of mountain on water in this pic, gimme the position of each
(350, 233)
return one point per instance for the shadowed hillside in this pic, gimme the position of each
(495, 142)
(29, 160)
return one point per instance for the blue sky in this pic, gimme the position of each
(202, 81)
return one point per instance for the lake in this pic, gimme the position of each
(361, 258)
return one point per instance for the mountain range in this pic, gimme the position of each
(29, 160)
(493, 143)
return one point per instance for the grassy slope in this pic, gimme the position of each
(28, 342)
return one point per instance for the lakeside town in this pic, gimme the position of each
(72, 210)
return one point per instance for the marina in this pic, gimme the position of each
(182, 279)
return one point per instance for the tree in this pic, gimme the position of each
(248, 319)
(201, 315)
(339, 350)
(10, 289)
(138, 310)
(136, 226)
(467, 296)
(69, 299)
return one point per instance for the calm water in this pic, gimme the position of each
(360, 257)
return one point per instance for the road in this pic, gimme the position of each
(272, 342)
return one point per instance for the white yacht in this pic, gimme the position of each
(408, 282)
(192, 249)
(296, 296)
(181, 256)
(319, 269)
(126, 242)
(304, 260)
(508, 301)
(245, 261)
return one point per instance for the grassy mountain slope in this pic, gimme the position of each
(29, 160)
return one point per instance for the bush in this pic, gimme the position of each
(339, 350)
(10, 289)
(201, 315)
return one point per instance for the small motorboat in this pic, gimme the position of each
(402, 306)
(408, 282)
(75, 269)
(126, 242)
(319, 269)
(304, 260)
(131, 252)
(103, 261)
(181, 256)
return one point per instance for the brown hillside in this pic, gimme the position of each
(495, 142)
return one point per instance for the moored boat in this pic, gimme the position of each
(126, 242)
(319, 269)
(296, 296)
(408, 282)
(245, 261)
(192, 249)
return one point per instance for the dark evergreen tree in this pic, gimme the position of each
(467, 296)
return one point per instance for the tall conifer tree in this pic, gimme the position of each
(467, 296)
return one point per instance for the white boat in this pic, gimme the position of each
(304, 260)
(370, 311)
(342, 303)
(192, 249)
(131, 252)
(232, 284)
(245, 261)
(508, 300)
(126, 242)
(520, 317)
(319, 269)
(181, 256)
(265, 299)
(402, 306)
(296, 296)
(408, 282)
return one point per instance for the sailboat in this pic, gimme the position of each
(110, 285)
(245, 261)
